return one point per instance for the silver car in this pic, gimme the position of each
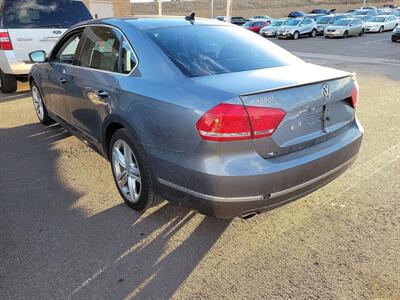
(344, 28)
(294, 28)
(272, 29)
(199, 112)
(325, 21)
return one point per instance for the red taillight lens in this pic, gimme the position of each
(5, 42)
(234, 122)
(354, 96)
(264, 120)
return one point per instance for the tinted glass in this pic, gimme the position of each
(378, 19)
(361, 13)
(342, 22)
(128, 61)
(323, 20)
(66, 54)
(43, 13)
(209, 50)
(100, 49)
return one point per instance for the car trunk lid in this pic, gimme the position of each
(317, 102)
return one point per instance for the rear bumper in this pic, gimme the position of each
(10, 65)
(273, 182)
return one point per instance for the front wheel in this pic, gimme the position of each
(40, 107)
(131, 172)
(313, 33)
(345, 34)
(8, 83)
(381, 29)
(296, 35)
(361, 32)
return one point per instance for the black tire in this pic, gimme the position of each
(381, 29)
(296, 35)
(148, 196)
(44, 118)
(313, 33)
(8, 83)
(361, 32)
(345, 34)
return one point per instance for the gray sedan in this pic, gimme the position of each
(199, 112)
(344, 28)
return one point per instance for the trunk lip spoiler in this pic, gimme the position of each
(295, 85)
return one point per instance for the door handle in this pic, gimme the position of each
(62, 80)
(102, 94)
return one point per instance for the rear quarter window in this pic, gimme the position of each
(43, 13)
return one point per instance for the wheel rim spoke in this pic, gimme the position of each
(132, 188)
(119, 157)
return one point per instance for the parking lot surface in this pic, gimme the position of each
(65, 233)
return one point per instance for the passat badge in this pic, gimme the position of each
(325, 92)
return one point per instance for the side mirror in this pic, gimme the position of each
(38, 56)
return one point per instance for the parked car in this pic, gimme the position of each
(369, 7)
(350, 11)
(381, 23)
(28, 25)
(255, 26)
(271, 29)
(234, 20)
(261, 18)
(173, 130)
(344, 28)
(396, 34)
(322, 11)
(387, 5)
(365, 19)
(297, 14)
(294, 28)
(364, 12)
(325, 21)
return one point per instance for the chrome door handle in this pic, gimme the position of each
(102, 94)
(62, 80)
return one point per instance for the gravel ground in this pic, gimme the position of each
(65, 233)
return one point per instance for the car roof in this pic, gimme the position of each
(143, 23)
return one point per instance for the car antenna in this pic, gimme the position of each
(191, 17)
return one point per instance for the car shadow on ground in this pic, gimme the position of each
(14, 96)
(49, 249)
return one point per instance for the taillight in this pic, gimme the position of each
(5, 42)
(234, 122)
(354, 95)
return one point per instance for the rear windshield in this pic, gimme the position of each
(43, 13)
(210, 50)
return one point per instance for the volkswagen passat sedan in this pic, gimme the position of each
(344, 28)
(232, 129)
(381, 23)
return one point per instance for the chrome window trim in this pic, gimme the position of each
(109, 72)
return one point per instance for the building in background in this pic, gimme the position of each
(108, 8)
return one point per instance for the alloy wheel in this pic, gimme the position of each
(37, 102)
(126, 171)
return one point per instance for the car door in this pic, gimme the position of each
(56, 85)
(353, 28)
(95, 79)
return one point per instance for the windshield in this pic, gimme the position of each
(323, 20)
(277, 23)
(342, 23)
(377, 19)
(210, 50)
(43, 13)
(292, 22)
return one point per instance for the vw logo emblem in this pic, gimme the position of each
(325, 92)
(57, 31)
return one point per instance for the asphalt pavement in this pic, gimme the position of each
(65, 233)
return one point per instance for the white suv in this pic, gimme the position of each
(28, 25)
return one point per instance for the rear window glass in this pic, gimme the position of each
(210, 50)
(43, 13)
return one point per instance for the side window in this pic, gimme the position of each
(128, 60)
(66, 52)
(100, 49)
